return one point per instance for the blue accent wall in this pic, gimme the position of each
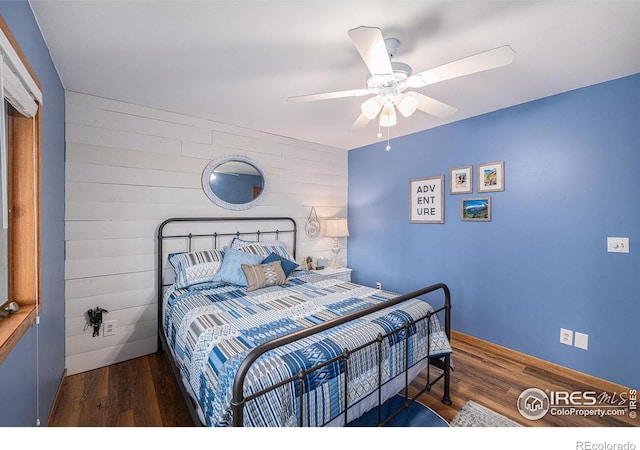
(571, 179)
(31, 374)
(235, 188)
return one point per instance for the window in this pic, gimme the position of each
(4, 210)
(22, 136)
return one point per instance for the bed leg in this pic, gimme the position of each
(446, 399)
(160, 348)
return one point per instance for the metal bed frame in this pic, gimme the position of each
(239, 400)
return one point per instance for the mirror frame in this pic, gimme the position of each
(215, 163)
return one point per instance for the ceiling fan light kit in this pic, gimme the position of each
(388, 80)
(408, 103)
(372, 107)
(388, 115)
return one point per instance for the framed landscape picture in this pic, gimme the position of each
(461, 180)
(491, 177)
(476, 209)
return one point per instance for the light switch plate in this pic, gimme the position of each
(581, 340)
(618, 244)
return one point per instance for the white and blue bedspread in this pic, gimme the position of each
(210, 331)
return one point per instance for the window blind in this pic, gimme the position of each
(21, 91)
(19, 88)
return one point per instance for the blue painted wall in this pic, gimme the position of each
(237, 188)
(571, 180)
(25, 396)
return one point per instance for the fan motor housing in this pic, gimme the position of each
(401, 72)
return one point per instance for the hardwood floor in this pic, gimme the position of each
(494, 377)
(141, 392)
(144, 393)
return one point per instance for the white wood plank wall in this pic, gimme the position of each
(128, 168)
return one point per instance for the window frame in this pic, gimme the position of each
(24, 202)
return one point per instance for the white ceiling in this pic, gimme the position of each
(236, 62)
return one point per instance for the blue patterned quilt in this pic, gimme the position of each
(209, 331)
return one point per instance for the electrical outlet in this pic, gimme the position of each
(566, 336)
(109, 328)
(378, 285)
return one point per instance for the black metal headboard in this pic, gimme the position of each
(181, 234)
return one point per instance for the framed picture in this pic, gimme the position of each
(476, 209)
(461, 180)
(491, 177)
(426, 200)
(308, 263)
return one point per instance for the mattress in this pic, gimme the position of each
(210, 329)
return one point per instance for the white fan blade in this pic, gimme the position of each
(329, 95)
(370, 44)
(435, 107)
(491, 59)
(360, 122)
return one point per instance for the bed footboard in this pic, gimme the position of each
(444, 363)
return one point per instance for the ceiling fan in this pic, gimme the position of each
(388, 80)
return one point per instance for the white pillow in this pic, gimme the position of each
(195, 267)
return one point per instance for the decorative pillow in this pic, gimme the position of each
(231, 269)
(263, 248)
(263, 275)
(195, 267)
(287, 265)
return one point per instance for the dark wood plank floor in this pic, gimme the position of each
(495, 377)
(143, 392)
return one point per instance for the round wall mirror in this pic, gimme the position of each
(234, 182)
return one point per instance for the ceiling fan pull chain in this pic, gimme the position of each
(388, 146)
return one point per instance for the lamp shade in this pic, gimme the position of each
(388, 115)
(408, 103)
(371, 107)
(336, 227)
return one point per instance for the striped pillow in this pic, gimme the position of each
(263, 248)
(263, 275)
(195, 267)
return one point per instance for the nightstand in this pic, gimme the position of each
(343, 273)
